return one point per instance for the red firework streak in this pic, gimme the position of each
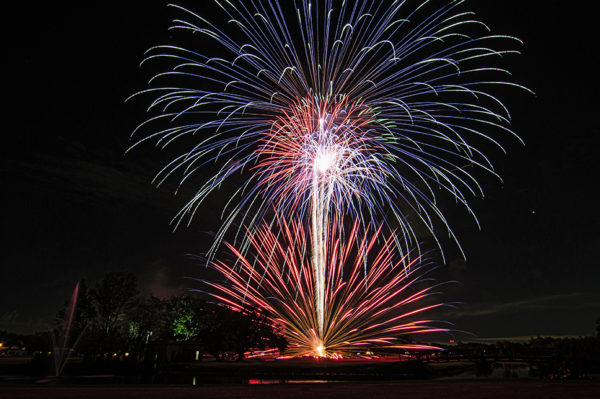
(372, 294)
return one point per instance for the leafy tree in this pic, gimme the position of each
(184, 314)
(112, 297)
(249, 329)
(219, 328)
(146, 319)
(278, 340)
(213, 329)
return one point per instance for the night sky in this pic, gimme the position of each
(74, 206)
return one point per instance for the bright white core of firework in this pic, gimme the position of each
(325, 161)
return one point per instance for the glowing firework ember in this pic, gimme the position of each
(362, 310)
(390, 104)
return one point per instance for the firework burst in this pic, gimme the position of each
(362, 310)
(320, 155)
(403, 89)
(361, 108)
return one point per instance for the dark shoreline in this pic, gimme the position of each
(277, 372)
(211, 372)
(379, 390)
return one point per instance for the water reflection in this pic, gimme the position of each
(461, 371)
(268, 381)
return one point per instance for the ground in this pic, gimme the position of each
(409, 389)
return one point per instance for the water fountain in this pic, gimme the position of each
(61, 349)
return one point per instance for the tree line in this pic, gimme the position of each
(113, 319)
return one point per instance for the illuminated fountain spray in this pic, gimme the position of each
(61, 347)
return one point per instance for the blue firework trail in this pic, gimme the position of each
(395, 98)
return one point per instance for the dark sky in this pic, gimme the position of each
(75, 207)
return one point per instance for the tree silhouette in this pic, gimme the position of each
(112, 297)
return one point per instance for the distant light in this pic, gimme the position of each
(451, 341)
(533, 211)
